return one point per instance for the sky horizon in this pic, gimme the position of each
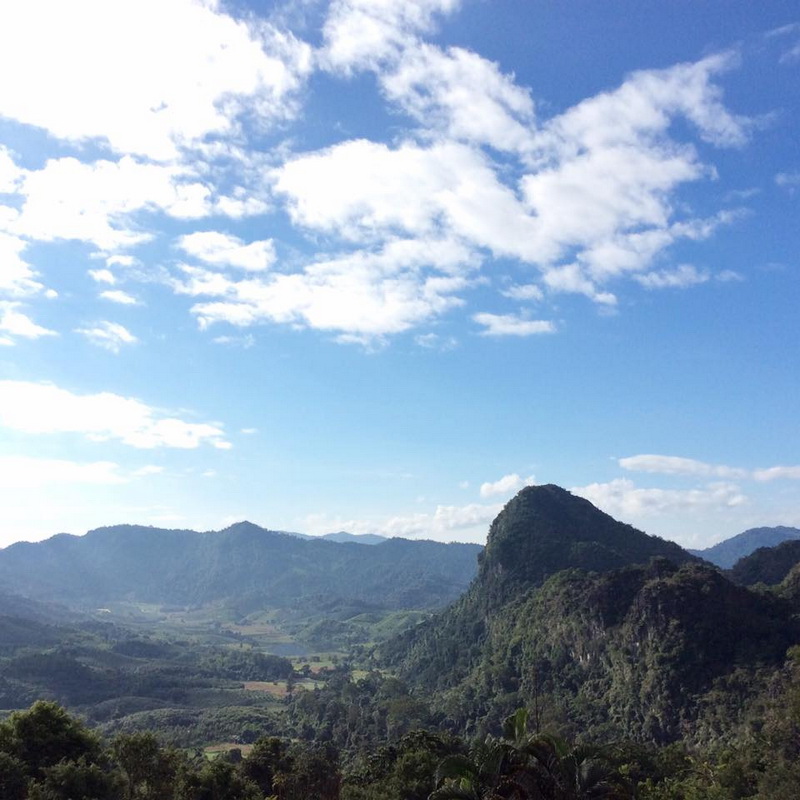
(374, 266)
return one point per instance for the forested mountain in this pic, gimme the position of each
(246, 563)
(769, 565)
(726, 554)
(595, 625)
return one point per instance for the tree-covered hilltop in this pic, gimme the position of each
(726, 553)
(767, 565)
(245, 564)
(540, 532)
(602, 629)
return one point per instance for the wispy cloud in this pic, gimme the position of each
(676, 465)
(42, 408)
(109, 335)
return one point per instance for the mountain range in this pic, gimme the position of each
(243, 564)
(598, 628)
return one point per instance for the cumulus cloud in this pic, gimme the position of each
(511, 325)
(583, 200)
(43, 408)
(224, 250)
(361, 34)
(621, 498)
(82, 75)
(365, 294)
(593, 202)
(463, 96)
(508, 484)
(108, 335)
(95, 202)
(15, 323)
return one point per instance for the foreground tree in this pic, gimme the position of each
(521, 766)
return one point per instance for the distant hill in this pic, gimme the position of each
(358, 538)
(769, 565)
(244, 563)
(344, 536)
(726, 554)
(591, 623)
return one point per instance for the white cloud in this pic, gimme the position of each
(363, 190)
(777, 473)
(446, 523)
(120, 260)
(17, 276)
(108, 335)
(463, 96)
(43, 408)
(679, 278)
(128, 73)
(23, 472)
(69, 199)
(676, 465)
(223, 250)
(508, 484)
(594, 201)
(16, 323)
(149, 469)
(363, 33)
(102, 276)
(622, 499)
(245, 342)
(364, 295)
(525, 291)
(118, 296)
(10, 173)
(511, 325)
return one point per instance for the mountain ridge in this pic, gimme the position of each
(727, 552)
(181, 566)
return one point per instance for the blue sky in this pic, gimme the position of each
(375, 265)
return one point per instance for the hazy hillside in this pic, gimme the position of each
(594, 623)
(254, 566)
(726, 554)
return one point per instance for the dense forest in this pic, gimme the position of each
(585, 659)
